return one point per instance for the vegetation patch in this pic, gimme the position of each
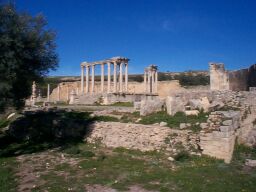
(175, 120)
(122, 104)
(7, 174)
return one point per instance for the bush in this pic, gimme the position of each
(182, 156)
(192, 80)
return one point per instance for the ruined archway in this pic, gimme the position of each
(252, 76)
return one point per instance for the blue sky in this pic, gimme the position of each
(176, 35)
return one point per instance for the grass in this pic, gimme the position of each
(121, 168)
(3, 123)
(7, 177)
(175, 120)
(122, 104)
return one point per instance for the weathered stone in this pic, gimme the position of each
(183, 125)
(204, 125)
(202, 103)
(250, 163)
(174, 105)
(192, 112)
(225, 128)
(170, 158)
(151, 106)
(227, 122)
(163, 124)
(215, 105)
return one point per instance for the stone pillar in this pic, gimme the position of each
(126, 77)
(102, 78)
(121, 77)
(82, 80)
(93, 73)
(48, 93)
(72, 97)
(33, 96)
(153, 81)
(115, 64)
(109, 77)
(156, 83)
(149, 82)
(87, 78)
(145, 81)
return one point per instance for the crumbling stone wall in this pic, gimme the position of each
(164, 88)
(218, 137)
(238, 80)
(218, 77)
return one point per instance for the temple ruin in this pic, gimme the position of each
(118, 63)
(150, 79)
(238, 80)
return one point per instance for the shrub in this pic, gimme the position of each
(182, 156)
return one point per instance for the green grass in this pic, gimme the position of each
(175, 120)
(121, 168)
(122, 104)
(3, 123)
(7, 177)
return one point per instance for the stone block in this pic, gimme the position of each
(192, 112)
(150, 106)
(174, 105)
(225, 128)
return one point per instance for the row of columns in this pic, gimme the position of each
(91, 67)
(151, 80)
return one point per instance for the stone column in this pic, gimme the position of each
(153, 81)
(109, 77)
(115, 64)
(156, 82)
(48, 93)
(149, 83)
(121, 77)
(102, 78)
(93, 73)
(33, 96)
(145, 81)
(126, 77)
(87, 78)
(82, 80)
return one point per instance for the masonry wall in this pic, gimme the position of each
(218, 77)
(238, 80)
(164, 88)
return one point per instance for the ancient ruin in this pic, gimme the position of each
(231, 114)
(118, 63)
(151, 79)
(239, 80)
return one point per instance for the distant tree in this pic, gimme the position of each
(27, 53)
(138, 78)
(192, 80)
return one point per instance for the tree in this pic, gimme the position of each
(27, 53)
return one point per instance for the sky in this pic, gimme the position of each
(176, 35)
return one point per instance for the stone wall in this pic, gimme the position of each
(164, 88)
(238, 80)
(218, 138)
(137, 136)
(218, 77)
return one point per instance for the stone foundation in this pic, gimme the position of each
(218, 138)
